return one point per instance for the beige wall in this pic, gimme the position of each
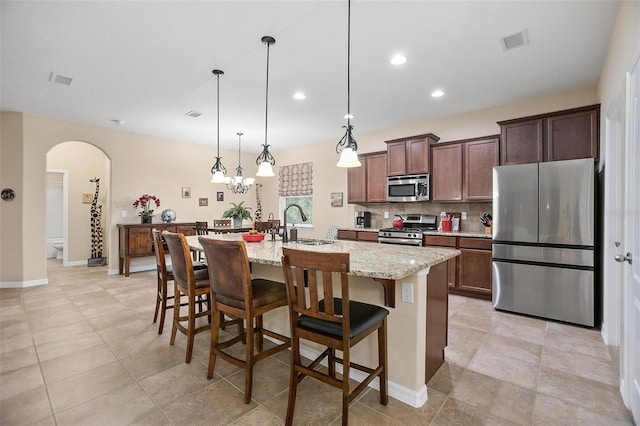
(83, 161)
(11, 219)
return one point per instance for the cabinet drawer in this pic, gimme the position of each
(436, 240)
(367, 236)
(475, 243)
(347, 235)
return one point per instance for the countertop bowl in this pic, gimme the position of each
(253, 238)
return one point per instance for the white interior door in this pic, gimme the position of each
(613, 223)
(633, 244)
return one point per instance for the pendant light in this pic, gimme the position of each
(239, 184)
(265, 160)
(347, 146)
(218, 171)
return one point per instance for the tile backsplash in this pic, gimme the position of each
(472, 224)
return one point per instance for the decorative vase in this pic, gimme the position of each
(146, 219)
(237, 222)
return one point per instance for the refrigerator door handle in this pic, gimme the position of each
(621, 259)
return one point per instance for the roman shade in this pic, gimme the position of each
(296, 180)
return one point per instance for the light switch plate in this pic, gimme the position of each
(87, 198)
(386, 215)
(463, 215)
(407, 292)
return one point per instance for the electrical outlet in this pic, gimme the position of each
(123, 213)
(386, 215)
(407, 292)
(463, 215)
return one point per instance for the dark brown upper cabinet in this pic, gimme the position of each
(410, 155)
(368, 183)
(463, 170)
(561, 135)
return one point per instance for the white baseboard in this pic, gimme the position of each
(23, 284)
(410, 397)
(76, 263)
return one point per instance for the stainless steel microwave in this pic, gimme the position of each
(408, 188)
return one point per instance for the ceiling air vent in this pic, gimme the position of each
(194, 114)
(515, 40)
(60, 79)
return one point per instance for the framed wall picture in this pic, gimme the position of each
(186, 192)
(220, 196)
(203, 202)
(336, 199)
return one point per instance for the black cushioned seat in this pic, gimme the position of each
(362, 317)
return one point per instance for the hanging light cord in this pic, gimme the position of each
(349, 67)
(218, 113)
(266, 99)
(239, 169)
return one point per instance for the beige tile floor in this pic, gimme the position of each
(83, 351)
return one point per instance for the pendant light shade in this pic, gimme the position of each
(347, 146)
(218, 170)
(239, 184)
(265, 160)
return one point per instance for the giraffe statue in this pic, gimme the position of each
(96, 227)
(258, 212)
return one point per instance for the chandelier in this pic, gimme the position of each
(218, 171)
(265, 160)
(239, 184)
(347, 146)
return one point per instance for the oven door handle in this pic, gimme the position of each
(401, 241)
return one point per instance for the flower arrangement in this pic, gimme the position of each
(145, 203)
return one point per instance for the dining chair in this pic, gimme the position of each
(266, 226)
(222, 223)
(235, 293)
(190, 283)
(164, 274)
(202, 228)
(337, 323)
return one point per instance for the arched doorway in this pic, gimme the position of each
(80, 162)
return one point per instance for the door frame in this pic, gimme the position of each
(65, 213)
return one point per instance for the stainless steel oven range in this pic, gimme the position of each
(411, 232)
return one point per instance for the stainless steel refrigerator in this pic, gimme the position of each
(544, 239)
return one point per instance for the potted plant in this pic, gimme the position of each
(238, 212)
(145, 203)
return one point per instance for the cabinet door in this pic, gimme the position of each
(474, 270)
(357, 184)
(396, 159)
(186, 229)
(417, 156)
(140, 241)
(446, 172)
(521, 142)
(479, 158)
(376, 178)
(572, 136)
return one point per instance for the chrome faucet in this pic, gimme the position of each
(285, 237)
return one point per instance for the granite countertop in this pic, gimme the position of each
(447, 234)
(368, 259)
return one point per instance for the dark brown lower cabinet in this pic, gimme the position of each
(344, 234)
(470, 273)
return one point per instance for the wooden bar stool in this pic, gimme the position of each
(235, 293)
(335, 322)
(190, 283)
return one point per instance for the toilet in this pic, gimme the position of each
(58, 247)
(54, 248)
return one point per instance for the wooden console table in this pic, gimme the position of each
(136, 240)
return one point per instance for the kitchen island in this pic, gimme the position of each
(417, 325)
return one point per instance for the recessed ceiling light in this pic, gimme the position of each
(437, 93)
(194, 114)
(398, 60)
(348, 116)
(299, 96)
(118, 122)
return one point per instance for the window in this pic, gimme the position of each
(293, 215)
(296, 187)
